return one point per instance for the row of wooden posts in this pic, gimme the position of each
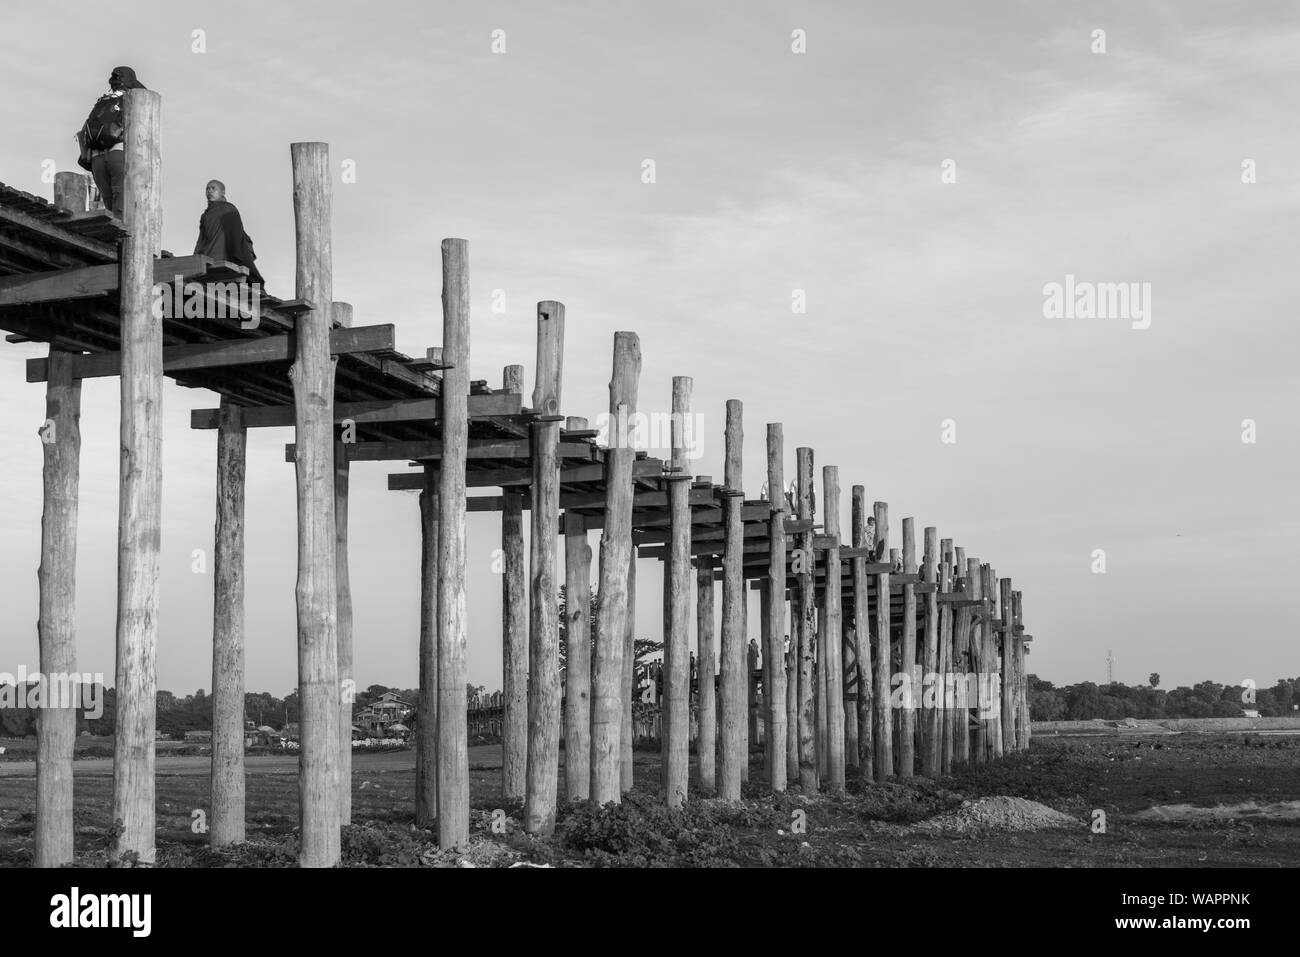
(829, 707)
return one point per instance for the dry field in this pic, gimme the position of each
(967, 820)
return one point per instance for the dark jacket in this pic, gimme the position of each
(104, 127)
(222, 236)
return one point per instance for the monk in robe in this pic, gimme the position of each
(221, 233)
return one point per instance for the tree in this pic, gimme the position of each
(1154, 679)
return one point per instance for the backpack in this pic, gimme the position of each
(103, 126)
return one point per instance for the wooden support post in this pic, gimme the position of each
(774, 670)
(907, 649)
(931, 750)
(962, 662)
(883, 720)
(822, 748)
(342, 316)
(733, 705)
(790, 610)
(317, 587)
(849, 676)
(426, 728)
(71, 191)
(992, 708)
(1023, 725)
(945, 669)
(1007, 644)
(453, 626)
(979, 667)
(227, 820)
(139, 529)
(706, 739)
(56, 724)
(629, 679)
(577, 673)
(677, 572)
(805, 565)
(834, 629)
(543, 772)
(862, 634)
(615, 560)
(514, 629)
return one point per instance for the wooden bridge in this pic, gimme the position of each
(857, 613)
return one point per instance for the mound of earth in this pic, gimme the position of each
(999, 813)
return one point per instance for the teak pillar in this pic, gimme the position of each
(317, 589)
(931, 751)
(453, 624)
(862, 631)
(56, 727)
(139, 528)
(426, 728)
(734, 697)
(227, 777)
(543, 773)
(907, 729)
(945, 669)
(677, 666)
(577, 672)
(514, 627)
(774, 671)
(342, 316)
(1008, 655)
(884, 723)
(805, 567)
(629, 679)
(615, 560)
(831, 660)
(706, 740)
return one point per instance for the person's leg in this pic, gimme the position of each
(116, 168)
(103, 182)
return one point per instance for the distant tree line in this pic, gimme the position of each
(1207, 699)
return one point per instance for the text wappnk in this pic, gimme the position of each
(74, 910)
(1081, 299)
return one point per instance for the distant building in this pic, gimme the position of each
(198, 737)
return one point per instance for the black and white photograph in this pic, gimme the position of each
(761, 437)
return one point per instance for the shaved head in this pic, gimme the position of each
(216, 190)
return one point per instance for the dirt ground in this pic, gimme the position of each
(872, 825)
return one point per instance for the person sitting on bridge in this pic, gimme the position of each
(221, 233)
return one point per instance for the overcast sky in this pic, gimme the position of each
(775, 171)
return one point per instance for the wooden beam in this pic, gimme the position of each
(431, 450)
(399, 481)
(222, 353)
(369, 412)
(87, 282)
